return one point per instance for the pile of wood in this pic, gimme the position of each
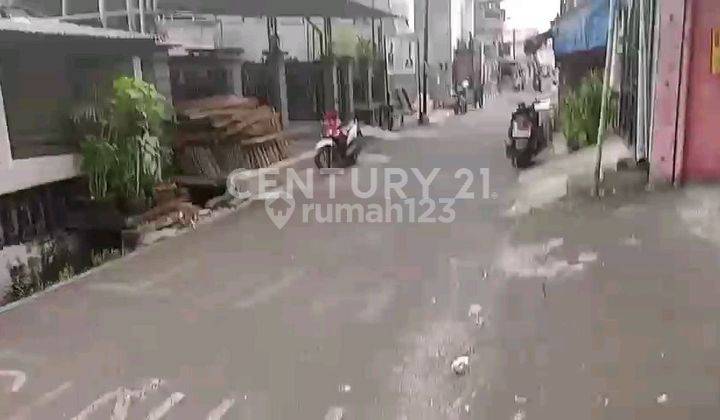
(172, 207)
(219, 134)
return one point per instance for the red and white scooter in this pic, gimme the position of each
(339, 145)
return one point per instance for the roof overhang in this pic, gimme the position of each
(347, 9)
(54, 27)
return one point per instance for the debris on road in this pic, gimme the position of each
(587, 257)
(519, 399)
(520, 415)
(631, 241)
(335, 413)
(475, 311)
(460, 365)
(345, 388)
(662, 398)
(554, 243)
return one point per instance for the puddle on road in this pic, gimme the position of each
(534, 260)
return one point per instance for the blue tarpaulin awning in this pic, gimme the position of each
(582, 29)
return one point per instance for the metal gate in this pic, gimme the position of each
(304, 90)
(256, 80)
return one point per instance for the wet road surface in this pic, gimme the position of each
(583, 311)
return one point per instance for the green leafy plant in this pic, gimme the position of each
(581, 111)
(66, 273)
(124, 151)
(39, 272)
(98, 258)
(364, 49)
(99, 159)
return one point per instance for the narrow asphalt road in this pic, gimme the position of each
(561, 313)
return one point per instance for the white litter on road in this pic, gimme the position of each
(554, 243)
(587, 257)
(520, 415)
(662, 398)
(475, 312)
(335, 413)
(631, 241)
(460, 365)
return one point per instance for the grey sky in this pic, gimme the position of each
(531, 13)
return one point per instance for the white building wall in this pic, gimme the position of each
(440, 46)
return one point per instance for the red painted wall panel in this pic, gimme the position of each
(702, 135)
(667, 90)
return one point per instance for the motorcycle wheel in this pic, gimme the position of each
(324, 157)
(523, 160)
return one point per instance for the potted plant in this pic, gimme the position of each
(123, 148)
(581, 112)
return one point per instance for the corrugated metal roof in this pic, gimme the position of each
(41, 26)
(314, 8)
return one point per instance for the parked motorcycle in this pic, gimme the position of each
(526, 136)
(339, 145)
(461, 102)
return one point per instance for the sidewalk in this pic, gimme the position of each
(558, 173)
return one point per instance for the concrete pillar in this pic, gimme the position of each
(346, 84)
(330, 84)
(278, 88)
(365, 74)
(161, 69)
(137, 67)
(101, 12)
(233, 66)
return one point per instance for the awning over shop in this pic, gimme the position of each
(276, 8)
(582, 29)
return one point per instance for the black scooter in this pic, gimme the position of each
(526, 137)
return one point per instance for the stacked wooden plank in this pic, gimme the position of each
(219, 134)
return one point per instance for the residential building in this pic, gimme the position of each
(445, 26)
(489, 19)
(47, 67)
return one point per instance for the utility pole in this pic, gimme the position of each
(423, 102)
(513, 45)
(605, 96)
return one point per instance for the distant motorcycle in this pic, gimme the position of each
(339, 145)
(526, 136)
(461, 102)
